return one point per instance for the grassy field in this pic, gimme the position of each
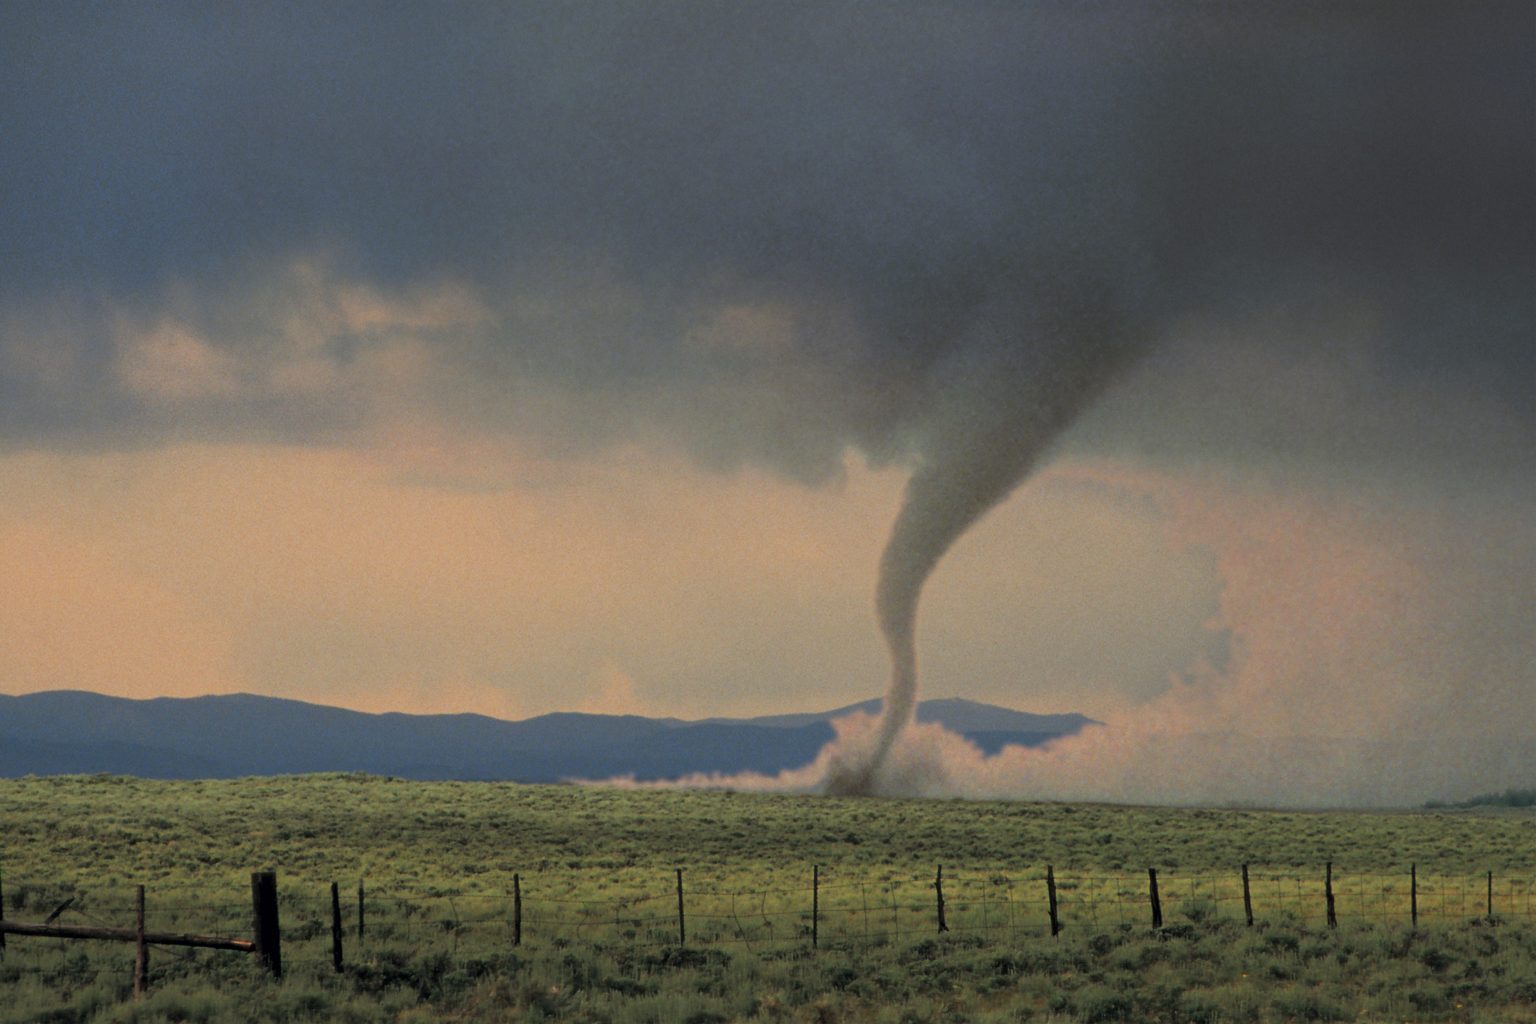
(596, 872)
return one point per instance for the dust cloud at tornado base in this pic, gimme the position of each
(1373, 664)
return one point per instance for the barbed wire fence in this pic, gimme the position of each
(832, 908)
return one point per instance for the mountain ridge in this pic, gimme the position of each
(230, 735)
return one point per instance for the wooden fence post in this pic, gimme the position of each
(359, 911)
(815, 900)
(269, 949)
(1050, 892)
(1413, 893)
(1490, 897)
(682, 932)
(141, 948)
(1333, 920)
(1247, 898)
(938, 886)
(336, 927)
(517, 909)
(1157, 904)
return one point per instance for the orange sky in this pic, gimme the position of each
(630, 582)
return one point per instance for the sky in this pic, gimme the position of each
(516, 358)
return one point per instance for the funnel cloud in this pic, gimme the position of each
(1013, 408)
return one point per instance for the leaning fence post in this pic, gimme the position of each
(1333, 921)
(1413, 893)
(1050, 892)
(1157, 904)
(141, 948)
(938, 886)
(815, 900)
(682, 932)
(264, 908)
(517, 909)
(359, 911)
(1247, 898)
(336, 927)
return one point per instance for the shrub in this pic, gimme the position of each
(1097, 1004)
(1436, 959)
(1428, 998)
(1309, 1004)
(1286, 942)
(1199, 910)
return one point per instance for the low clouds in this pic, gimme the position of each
(561, 207)
(1318, 398)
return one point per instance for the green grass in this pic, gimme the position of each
(596, 871)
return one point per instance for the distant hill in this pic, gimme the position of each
(956, 715)
(69, 732)
(1508, 798)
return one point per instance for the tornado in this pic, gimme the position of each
(1027, 371)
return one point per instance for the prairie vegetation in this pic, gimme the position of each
(595, 870)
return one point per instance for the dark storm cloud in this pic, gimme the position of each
(429, 140)
(887, 176)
